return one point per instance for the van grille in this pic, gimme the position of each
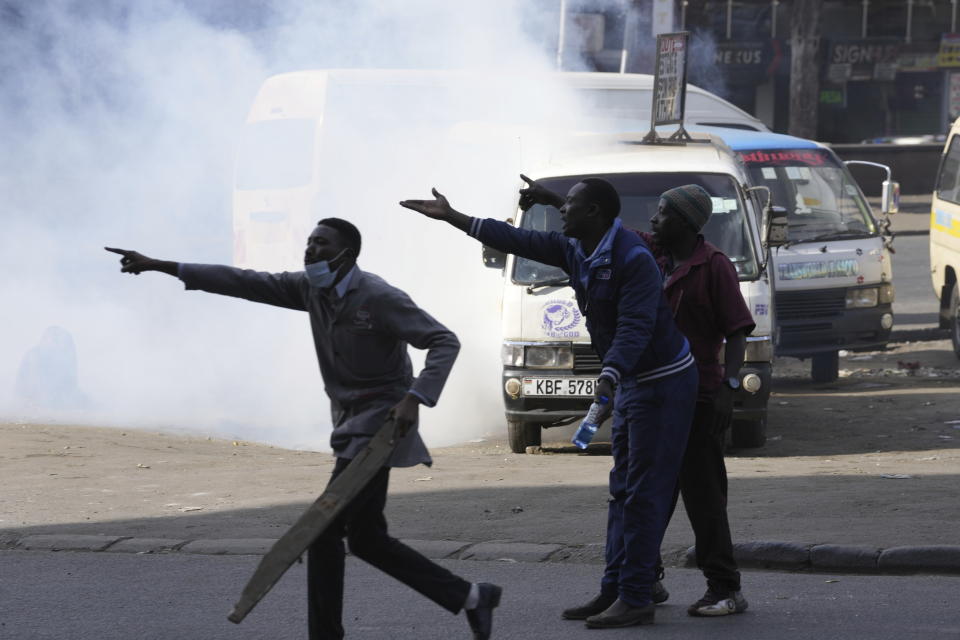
(792, 305)
(585, 359)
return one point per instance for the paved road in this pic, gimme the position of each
(915, 305)
(84, 596)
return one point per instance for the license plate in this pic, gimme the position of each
(560, 386)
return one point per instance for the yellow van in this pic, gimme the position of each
(945, 236)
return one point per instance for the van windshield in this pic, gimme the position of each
(727, 228)
(822, 199)
(276, 154)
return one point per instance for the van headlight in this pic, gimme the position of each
(548, 357)
(886, 295)
(862, 298)
(511, 355)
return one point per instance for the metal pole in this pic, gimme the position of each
(773, 18)
(561, 40)
(909, 20)
(623, 49)
(683, 13)
(863, 18)
(953, 16)
(626, 32)
(729, 18)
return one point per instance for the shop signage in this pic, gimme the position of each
(833, 97)
(949, 55)
(869, 59)
(740, 54)
(754, 60)
(918, 61)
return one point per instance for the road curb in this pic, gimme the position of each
(759, 554)
(930, 558)
(66, 542)
(939, 559)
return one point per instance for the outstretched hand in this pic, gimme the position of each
(438, 209)
(535, 193)
(132, 262)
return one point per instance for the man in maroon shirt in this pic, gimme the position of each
(704, 292)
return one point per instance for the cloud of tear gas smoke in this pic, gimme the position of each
(702, 64)
(121, 121)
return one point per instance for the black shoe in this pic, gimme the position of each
(598, 605)
(481, 618)
(659, 594)
(621, 614)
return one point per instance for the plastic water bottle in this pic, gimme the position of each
(591, 422)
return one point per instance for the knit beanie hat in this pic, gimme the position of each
(692, 202)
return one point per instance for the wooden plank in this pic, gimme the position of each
(315, 520)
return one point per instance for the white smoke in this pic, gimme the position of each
(121, 121)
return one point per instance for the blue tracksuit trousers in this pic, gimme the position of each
(651, 422)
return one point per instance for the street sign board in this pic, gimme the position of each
(670, 80)
(670, 88)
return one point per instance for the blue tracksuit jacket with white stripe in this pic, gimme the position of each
(619, 290)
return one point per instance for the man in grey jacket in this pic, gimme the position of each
(361, 329)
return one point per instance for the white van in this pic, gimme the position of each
(945, 236)
(299, 122)
(834, 278)
(549, 367)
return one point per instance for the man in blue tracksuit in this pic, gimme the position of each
(648, 371)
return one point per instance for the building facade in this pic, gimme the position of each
(887, 68)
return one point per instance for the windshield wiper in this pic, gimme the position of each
(834, 235)
(556, 282)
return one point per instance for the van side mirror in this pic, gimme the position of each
(493, 259)
(890, 197)
(777, 226)
(890, 190)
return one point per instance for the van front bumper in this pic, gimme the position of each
(555, 411)
(852, 329)
(545, 410)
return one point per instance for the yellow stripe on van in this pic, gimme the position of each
(944, 222)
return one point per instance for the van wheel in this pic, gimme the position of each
(825, 367)
(748, 434)
(955, 318)
(522, 435)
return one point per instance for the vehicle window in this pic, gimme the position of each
(727, 228)
(948, 181)
(822, 199)
(276, 154)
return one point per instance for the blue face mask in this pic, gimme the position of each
(320, 275)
